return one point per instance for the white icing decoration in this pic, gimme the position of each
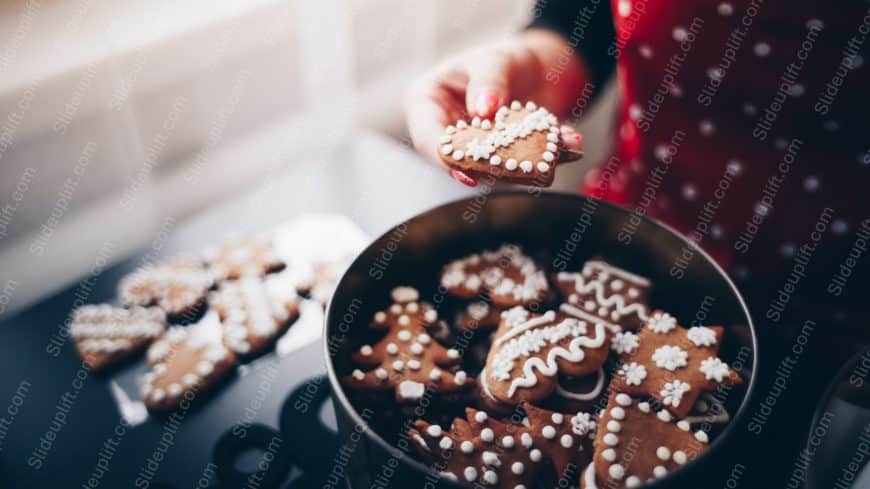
(608, 454)
(589, 477)
(661, 322)
(548, 432)
(701, 336)
(664, 415)
(659, 471)
(672, 392)
(466, 446)
(470, 474)
(582, 424)
(507, 441)
(610, 439)
(624, 342)
(518, 468)
(680, 457)
(670, 357)
(490, 459)
(616, 471)
(566, 441)
(584, 396)
(526, 440)
(480, 417)
(535, 455)
(663, 454)
(683, 425)
(614, 426)
(525, 339)
(633, 372)
(434, 431)
(702, 437)
(714, 369)
(446, 443)
(487, 435)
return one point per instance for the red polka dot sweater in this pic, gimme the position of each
(744, 125)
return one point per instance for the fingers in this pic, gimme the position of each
(571, 139)
(488, 82)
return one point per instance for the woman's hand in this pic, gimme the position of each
(478, 82)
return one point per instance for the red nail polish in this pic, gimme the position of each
(485, 104)
(463, 178)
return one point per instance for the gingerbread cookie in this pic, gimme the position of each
(635, 443)
(185, 362)
(407, 359)
(179, 287)
(608, 292)
(243, 257)
(521, 144)
(564, 439)
(529, 350)
(255, 311)
(483, 450)
(672, 364)
(574, 393)
(105, 335)
(507, 276)
(478, 316)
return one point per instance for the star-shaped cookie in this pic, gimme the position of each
(672, 364)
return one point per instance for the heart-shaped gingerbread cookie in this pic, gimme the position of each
(521, 145)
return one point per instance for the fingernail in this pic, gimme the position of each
(485, 104)
(463, 178)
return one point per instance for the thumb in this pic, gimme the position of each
(488, 84)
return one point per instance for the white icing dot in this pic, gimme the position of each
(623, 7)
(392, 349)
(460, 377)
(487, 435)
(566, 441)
(548, 156)
(558, 418)
(381, 374)
(366, 350)
(511, 164)
(632, 482)
(446, 149)
(617, 413)
(683, 425)
(495, 160)
(659, 471)
(614, 426)
(623, 399)
(358, 374)
(414, 364)
(706, 127)
(475, 122)
(608, 454)
(701, 436)
(664, 415)
(430, 316)
(535, 455)
(434, 430)
(518, 468)
(435, 374)
(663, 453)
(485, 124)
(423, 338)
(526, 440)
(452, 353)
(690, 191)
(450, 130)
(404, 320)
(610, 439)
(470, 474)
(158, 395)
(445, 139)
(725, 9)
(398, 365)
(396, 309)
(553, 137)
(616, 471)
(466, 446)
(526, 166)
(516, 105)
(404, 335)
(416, 348)
(490, 477)
(507, 441)
(458, 154)
(446, 443)
(480, 417)
(461, 125)
(679, 34)
(174, 389)
(643, 407)
(548, 432)
(543, 167)
(680, 457)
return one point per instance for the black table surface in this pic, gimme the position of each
(366, 180)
